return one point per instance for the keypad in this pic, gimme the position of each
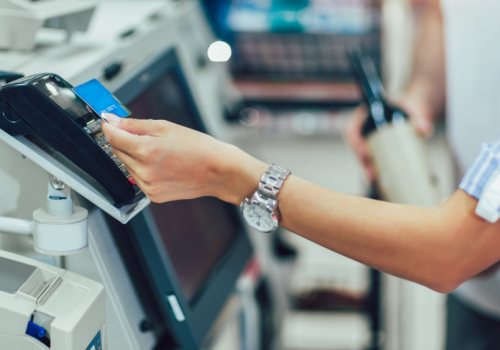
(94, 126)
(94, 129)
(109, 151)
(124, 171)
(117, 160)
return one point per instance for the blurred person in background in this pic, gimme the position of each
(456, 67)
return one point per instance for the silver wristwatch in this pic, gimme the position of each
(261, 212)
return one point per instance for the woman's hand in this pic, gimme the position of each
(419, 114)
(170, 162)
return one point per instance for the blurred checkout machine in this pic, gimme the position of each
(169, 271)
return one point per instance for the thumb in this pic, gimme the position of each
(134, 126)
(420, 116)
(423, 124)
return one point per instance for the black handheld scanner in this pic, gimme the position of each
(367, 75)
(381, 112)
(46, 106)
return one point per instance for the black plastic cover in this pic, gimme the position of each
(40, 115)
(8, 77)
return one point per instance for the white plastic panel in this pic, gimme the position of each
(74, 177)
(13, 275)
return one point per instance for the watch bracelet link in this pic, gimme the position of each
(272, 181)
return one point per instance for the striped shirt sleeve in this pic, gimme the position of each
(482, 181)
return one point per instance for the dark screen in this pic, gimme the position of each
(64, 96)
(196, 233)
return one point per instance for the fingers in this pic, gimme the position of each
(420, 116)
(353, 131)
(120, 139)
(156, 191)
(369, 169)
(358, 143)
(111, 118)
(423, 124)
(142, 127)
(132, 165)
(130, 162)
(136, 178)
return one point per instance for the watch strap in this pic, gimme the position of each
(272, 181)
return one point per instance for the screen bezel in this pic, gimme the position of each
(200, 313)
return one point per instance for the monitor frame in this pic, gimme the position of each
(148, 249)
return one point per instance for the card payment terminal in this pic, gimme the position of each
(46, 106)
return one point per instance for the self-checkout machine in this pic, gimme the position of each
(42, 305)
(121, 37)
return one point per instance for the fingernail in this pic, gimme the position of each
(111, 118)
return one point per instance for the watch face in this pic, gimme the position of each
(259, 217)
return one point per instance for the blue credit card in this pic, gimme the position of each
(100, 99)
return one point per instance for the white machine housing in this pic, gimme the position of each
(128, 33)
(70, 307)
(20, 20)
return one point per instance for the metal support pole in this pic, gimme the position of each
(16, 226)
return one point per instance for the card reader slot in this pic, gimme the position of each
(63, 121)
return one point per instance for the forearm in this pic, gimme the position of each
(428, 82)
(438, 247)
(489, 271)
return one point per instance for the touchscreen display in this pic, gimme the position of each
(196, 233)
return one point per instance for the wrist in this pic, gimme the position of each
(239, 176)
